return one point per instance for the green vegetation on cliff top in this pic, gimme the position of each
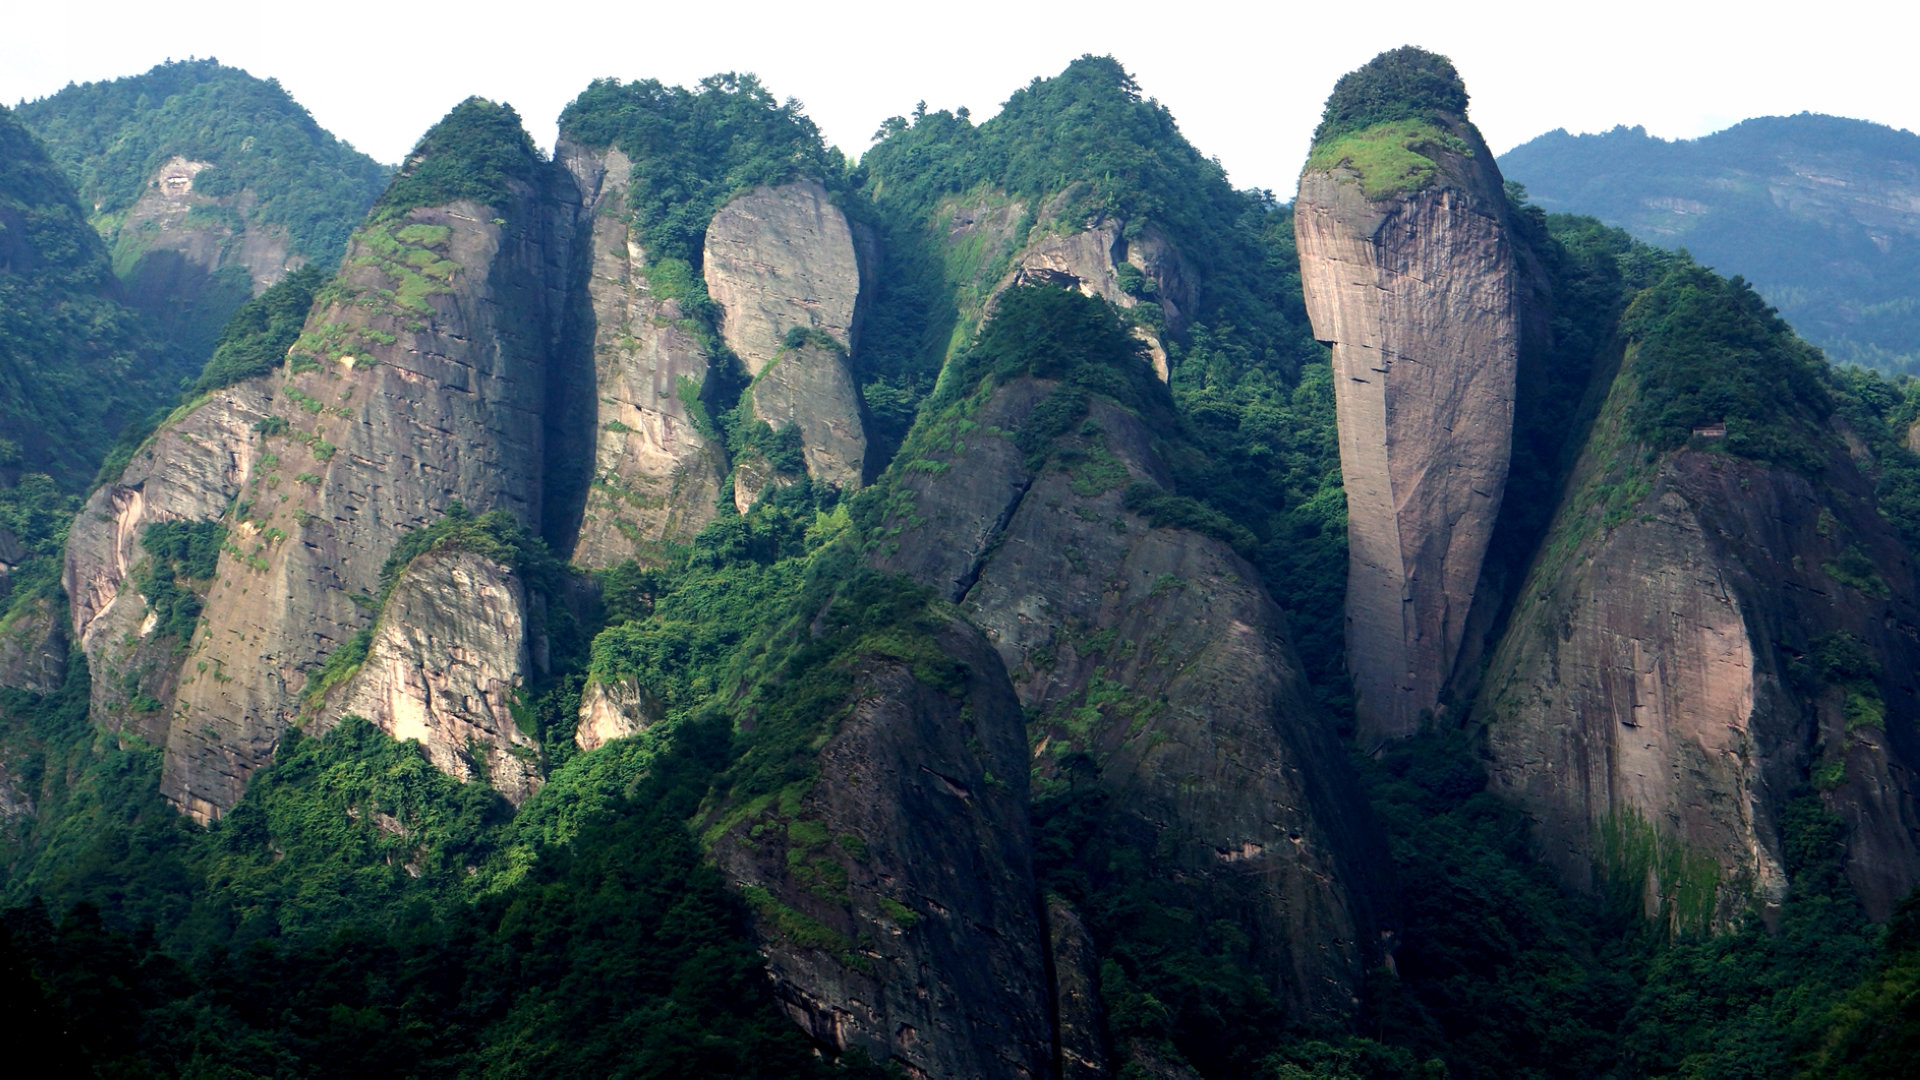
(1408, 83)
(477, 152)
(693, 149)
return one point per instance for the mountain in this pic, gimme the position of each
(1010, 606)
(208, 184)
(1817, 211)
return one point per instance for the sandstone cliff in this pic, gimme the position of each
(783, 259)
(192, 469)
(1099, 260)
(1694, 647)
(1417, 292)
(422, 380)
(448, 658)
(896, 902)
(1156, 653)
(655, 476)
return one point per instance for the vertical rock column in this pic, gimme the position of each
(779, 259)
(655, 476)
(1417, 295)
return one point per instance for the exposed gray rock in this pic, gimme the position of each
(399, 403)
(1079, 1018)
(1418, 294)
(33, 648)
(655, 476)
(1643, 701)
(784, 258)
(448, 658)
(897, 907)
(1157, 653)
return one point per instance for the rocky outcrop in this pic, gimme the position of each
(780, 259)
(33, 648)
(1418, 295)
(1155, 654)
(192, 469)
(612, 709)
(656, 477)
(448, 659)
(896, 902)
(1681, 665)
(1080, 1022)
(421, 382)
(1102, 261)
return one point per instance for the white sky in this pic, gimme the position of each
(1245, 80)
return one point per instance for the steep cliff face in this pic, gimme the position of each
(780, 259)
(1695, 646)
(448, 657)
(1101, 261)
(33, 649)
(421, 380)
(1418, 294)
(191, 470)
(655, 476)
(897, 904)
(1154, 652)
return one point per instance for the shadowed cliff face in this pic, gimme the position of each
(655, 476)
(421, 380)
(1156, 653)
(448, 656)
(1418, 295)
(898, 909)
(779, 259)
(1668, 681)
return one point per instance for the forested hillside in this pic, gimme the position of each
(208, 185)
(1816, 211)
(484, 670)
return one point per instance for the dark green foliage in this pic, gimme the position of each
(477, 152)
(35, 514)
(178, 552)
(1408, 83)
(1881, 411)
(74, 365)
(111, 136)
(692, 150)
(261, 331)
(1167, 511)
(1710, 351)
(1820, 255)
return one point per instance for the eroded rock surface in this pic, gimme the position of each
(779, 259)
(431, 391)
(1093, 261)
(612, 710)
(655, 476)
(1664, 686)
(1418, 295)
(448, 656)
(33, 649)
(897, 908)
(1156, 653)
(190, 470)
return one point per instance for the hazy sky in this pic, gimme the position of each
(1245, 80)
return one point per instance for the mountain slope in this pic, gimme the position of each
(1821, 213)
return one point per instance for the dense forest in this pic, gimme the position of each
(361, 912)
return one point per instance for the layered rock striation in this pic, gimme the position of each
(1678, 668)
(1153, 656)
(1418, 294)
(422, 380)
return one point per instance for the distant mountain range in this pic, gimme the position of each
(1820, 213)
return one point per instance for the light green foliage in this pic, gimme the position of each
(1394, 158)
(1644, 869)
